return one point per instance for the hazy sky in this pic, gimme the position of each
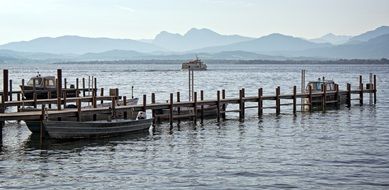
(138, 19)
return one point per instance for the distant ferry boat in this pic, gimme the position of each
(196, 64)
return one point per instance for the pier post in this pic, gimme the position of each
(278, 104)
(42, 131)
(77, 87)
(310, 104)
(361, 91)
(83, 86)
(35, 100)
(59, 88)
(337, 96)
(49, 97)
(18, 99)
(260, 102)
(178, 108)
(10, 90)
(95, 84)
(94, 101)
(125, 113)
(348, 95)
(195, 108)
(5, 86)
(324, 103)
(22, 89)
(144, 103)
(294, 100)
(218, 106)
(375, 89)
(65, 83)
(113, 104)
(202, 107)
(224, 104)
(153, 110)
(171, 111)
(240, 105)
(78, 104)
(102, 94)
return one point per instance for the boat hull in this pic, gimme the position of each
(94, 129)
(42, 93)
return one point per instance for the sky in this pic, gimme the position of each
(144, 19)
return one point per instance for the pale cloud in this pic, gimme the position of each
(125, 8)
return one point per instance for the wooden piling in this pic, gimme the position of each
(218, 106)
(95, 83)
(171, 110)
(10, 90)
(224, 105)
(361, 91)
(102, 94)
(22, 89)
(375, 89)
(78, 104)
(294, 100)
(83, 87)
(144, 103)
(260, 102)
(65, 83)
(153, 111)
(278, 102)
(178, 108)
(202, 107)
(195, 107)
(5, 85)
(113, 104)
(240, 105)
(310, 103)
(42, 131)
(59, 88)
(35, 99)
(94, 101)
(348, 95)
(77, 85)
(49, 97)
(324, 98)
(337, 96)
(18, 99)
(125, 113)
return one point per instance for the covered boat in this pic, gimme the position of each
(196, 65)
(43, 85)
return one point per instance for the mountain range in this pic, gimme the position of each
(205, 43)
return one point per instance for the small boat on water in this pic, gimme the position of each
(35, 125)
(196, 65)
(43, 85)
(316, 87)
(94, 129)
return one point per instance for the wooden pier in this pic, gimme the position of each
(175, 107)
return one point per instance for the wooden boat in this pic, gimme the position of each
(35, 125)
(196, 65)
(43, 85)
(94, 129)
(316, 87)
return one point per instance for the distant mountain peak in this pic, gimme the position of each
(382, 30)
(196, 31)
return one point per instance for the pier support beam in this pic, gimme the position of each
(224, 105)
(375, 89)
(195, 108)
(59, 88)
(171, 111)
(348, 95)
(218, 105)
(202, 107)
(294, 100)
(5, 86)
(310, 103)
(361, 91)
(260, 102)
(178, 108)
(278, 102)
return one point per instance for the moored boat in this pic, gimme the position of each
(42, 85)
(94, 129)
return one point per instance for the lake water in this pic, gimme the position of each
(338, 149)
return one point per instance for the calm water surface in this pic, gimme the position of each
(339, 149)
